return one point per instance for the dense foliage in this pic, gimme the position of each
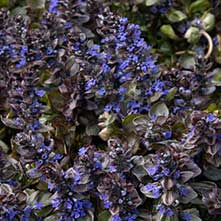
(110, 110)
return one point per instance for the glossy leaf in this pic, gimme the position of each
(168, 31)
(175, 15)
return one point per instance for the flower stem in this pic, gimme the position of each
(210, 43)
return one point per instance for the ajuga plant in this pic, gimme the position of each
(102, 119)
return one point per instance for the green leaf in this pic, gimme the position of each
(106, 119)
(208, 21)
(36, 4)
(217, 77)
(194, 214)
(166, 48)
(139, 171)
(3, 146)
(141, 121)
(156, 96)
(151, 2)
(212, 107)
(199, 6)
(104, 216)
(192, 35)
(218, 56)
(203, 186)
(11, 123)
(51, 218)
(172, 218)
(187, 61)
(175, 15)
(212, 173)
(46, 199)
(92, 130)
(195, 218)
(188, 197)
(32, 196)
(72, 66)
(171, 94)
(168, 31)
(158, 110)
(128, 119)
(19, 11)
(45, 211)
(4, 3)
(164, 217)
(186, 175)
(128, 122)
(57, 101)
(2, 132)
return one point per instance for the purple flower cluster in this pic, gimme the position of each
(170, 170)
(125, 61)
(203, 139)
